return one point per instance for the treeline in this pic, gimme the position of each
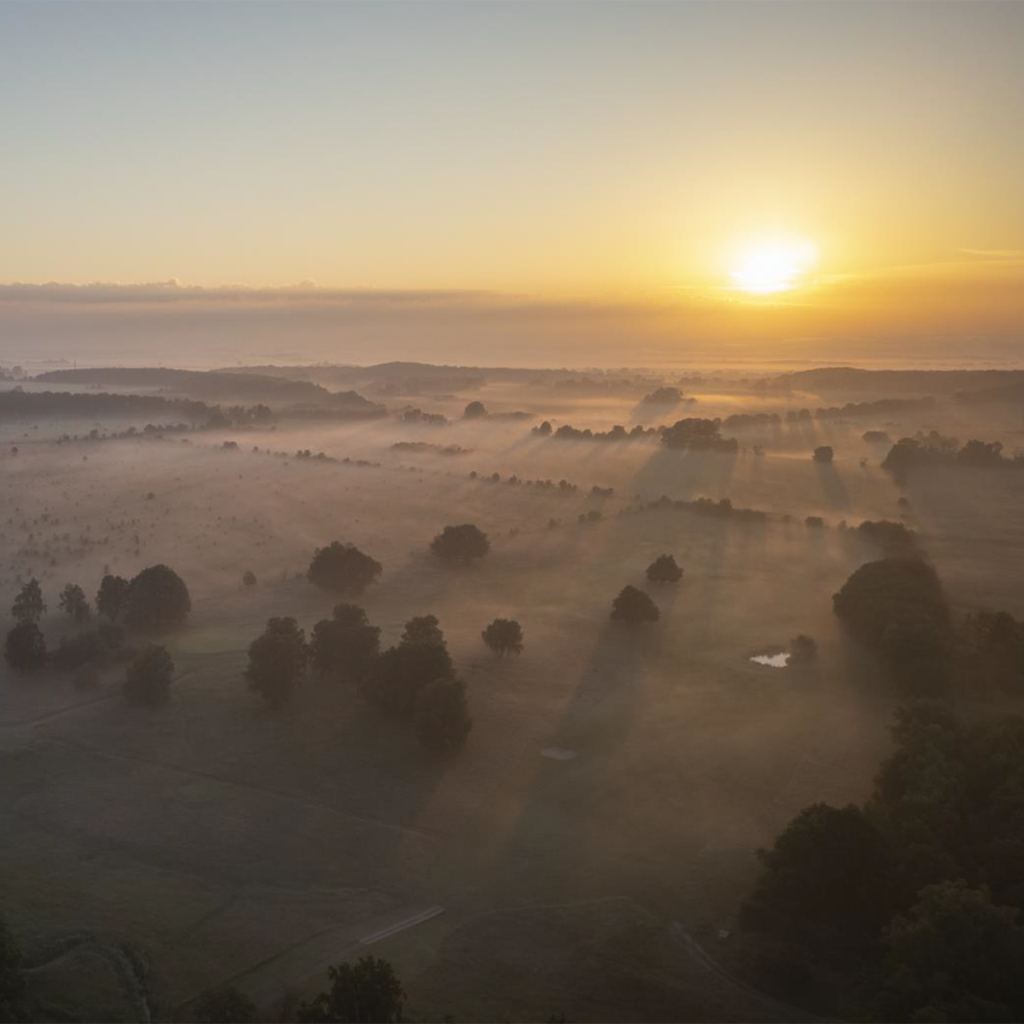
(933, 449)
(691, 434)
(19, 404)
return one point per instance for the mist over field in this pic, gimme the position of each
(585, 844)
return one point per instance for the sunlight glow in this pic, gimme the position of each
(773, 265)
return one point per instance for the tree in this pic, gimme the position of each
(224, 1006)
(29, 605)
(93, 647)
(954, 957)
(25, 649)
(503, 636)
(802, 649)
(823, 453)
(695, 434)
(74, 604)
(342, 569)
(442, 716)
(664, 570)
(111, 596)
(148, 679)
(249, 580)
(633, 606)
(401, 674)
(12, 981)
(157, 599)
(345, 645)
(277, 660)
(474, 411)
(460, 544)
(367, 992)
(423, 629)
(826, 885)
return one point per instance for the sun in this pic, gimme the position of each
(773, 265)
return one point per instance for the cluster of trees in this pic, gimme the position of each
(415, 680)
(909, 453)
(156, 599)
(566, 432)
(905, 909)
(823, 453)
(562, 486)
(695, 434)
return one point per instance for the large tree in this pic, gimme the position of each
(111, 596)
(157, 599)
(633, 606)
(25, 648)
(504, 636)
(148, 679)
(73, 603)
(277, 660)
(367, 992)
(342, 569)
(29, 605)
(345, 645)
(442, 716)
(401, 674)
(460, 544)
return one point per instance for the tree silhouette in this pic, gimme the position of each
(148, 679)
(12, 981)
(345, 645)
(460, 544)
(401, 674)
(277, 660)
(343, 569)
(249, 580)
(157, 599)
(423, 629)
(367, 992)
(633, 606)
(29, 605)
(111, 597)
(73, 603)
(474, 411)
(664, 570)
(504, 636)
(823, 453)
(25, 648)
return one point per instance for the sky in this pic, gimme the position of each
(512, 162)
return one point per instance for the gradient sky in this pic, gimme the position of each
(598, 149)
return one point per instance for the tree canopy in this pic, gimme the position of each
(504, 636)
(460, 544)
(345, 645)
(224, 1006)
(401, 674)
(423, 629)
(111, 597)
(29, 605)
(343, 569)
(156, 599)
(633, 606)
(25, 647)
(277, 660)
(367, 992)
(74, 604)
(664, 570)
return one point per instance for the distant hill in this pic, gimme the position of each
(242, 386)
(933, 382)
(1012, 393)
